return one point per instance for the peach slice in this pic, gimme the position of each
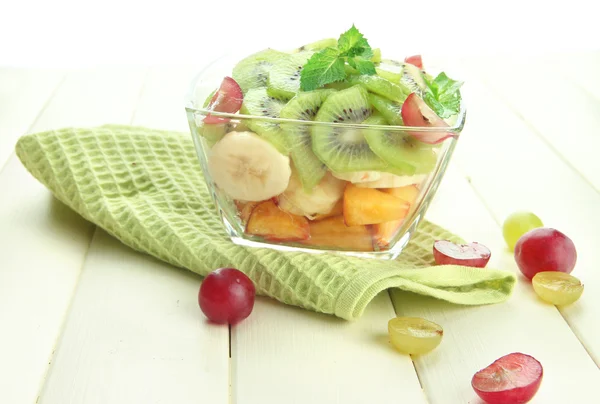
(384, 232)
(332, 232)
(245, 209)
(274, 224)
(370, 206)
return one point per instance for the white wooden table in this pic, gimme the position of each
(85, 320)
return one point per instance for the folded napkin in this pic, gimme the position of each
(145, 187)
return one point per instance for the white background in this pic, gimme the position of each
(70, 33)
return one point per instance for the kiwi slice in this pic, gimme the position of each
(401, 151)
(345, 149)
(390, 110)
(318, 45)
(412, 78)
(258, 103)
(284, 76)
(376, 55)
(304, 106)
(252, 71)
(383, 87)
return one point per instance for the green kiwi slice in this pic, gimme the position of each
(284, 76)
(379, 85)
(252, 71)
(345, 149)
(390, 110)
(304, 106)
(412, 78)
(258, 103)
(401, 151)
(318, 45)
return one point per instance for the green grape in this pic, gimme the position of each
(517, 224)
(557, 288)
(413, 335)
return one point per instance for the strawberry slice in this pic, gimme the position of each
(415, 60)
(415, 112)
(228, 98)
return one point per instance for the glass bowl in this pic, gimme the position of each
(357, 188)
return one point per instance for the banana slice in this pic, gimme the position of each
(357, 177)
(388, 180)
(248, 168)
(321, 200)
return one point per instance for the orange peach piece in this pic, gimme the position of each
(332, 232)
(370, 206)
(245, 209)
(337, 210)
(384, 232)
(274, 224)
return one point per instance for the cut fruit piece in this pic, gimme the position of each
(333, 233)
(337, 210)
(228, 98)
(384, 233)
(284, 75)
(557, 288)
(414, 335)
(321, 200)
(388, 180)
(245, 209)
(272, 223)
(415, 112)
(415, 60)
(304, 106)
(258, 103)
(413, 79)
(512, 379)
(379, 85)
(376, 58)
(401, 151)
(390, 110)
(252, 71)
(369, 206)
(318, 45)
(470, 255)
(386, 74)
(248, 168)
(359, 176)
(212, 133)
(345, 149)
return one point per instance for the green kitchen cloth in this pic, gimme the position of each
(145, 187)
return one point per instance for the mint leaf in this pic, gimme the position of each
(322, 68)
(364, 66)
(351, 39)
(443, 95)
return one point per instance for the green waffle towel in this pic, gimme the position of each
(145, 187)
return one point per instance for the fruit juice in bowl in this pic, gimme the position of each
(327, 147)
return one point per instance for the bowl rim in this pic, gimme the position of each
(190, 107)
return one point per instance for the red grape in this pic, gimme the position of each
(471, 255)
(415, 60)
(511, 379)
(545, 249)
(226, 296)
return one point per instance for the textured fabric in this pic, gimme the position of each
(145, 187)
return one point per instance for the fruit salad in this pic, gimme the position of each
(327, 146)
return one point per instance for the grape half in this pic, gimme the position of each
(517, 224)
(413, 335)
(557, 288)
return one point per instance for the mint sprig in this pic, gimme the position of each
(327, 65)
(443, 95)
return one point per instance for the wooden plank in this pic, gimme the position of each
(475, 336)
(23, 94)
(539, 181)
(42, 243)
(565, 115)
(135, 332)
(286, 354)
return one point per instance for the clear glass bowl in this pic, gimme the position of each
(383, 205)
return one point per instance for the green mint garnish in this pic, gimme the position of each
(327, 65)
(443, 95)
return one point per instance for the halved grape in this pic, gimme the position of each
(557, 288)
(414, 335)
(517, 224)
